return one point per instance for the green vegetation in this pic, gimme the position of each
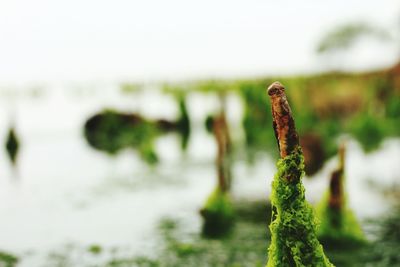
(346, 35)
(339, 226)
(258, 137)
(183, 123)
(112, 131)
(365, 106)
(8, 260)
(244, 247)
(293, 229)
(12, 145)
(95, 249)
(218, 214)
(294, 241)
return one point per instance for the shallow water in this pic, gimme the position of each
(64, 192)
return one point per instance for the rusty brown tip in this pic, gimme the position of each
(283, 123)
(275, 88)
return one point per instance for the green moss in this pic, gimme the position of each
(111, 131)
(209, 123)
(293, 229)
(95, 249)
(245, 246)
(254, 117)
(12, 145)
(393, 107)
(218, 214)
(338, 227)
(369, 131)
(183, 122)
(8, 260)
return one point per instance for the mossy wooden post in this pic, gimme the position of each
(293, 229)
(336, 195)
(12, 145)
(221, 133)
(218, 211)
(339, 225)
(183, 123)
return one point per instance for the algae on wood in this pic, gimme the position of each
(112, 131)
(8, 260)
(12, 145)
(293, 229)
(218, 211)
(338, 224)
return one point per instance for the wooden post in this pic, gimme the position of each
(283, 123)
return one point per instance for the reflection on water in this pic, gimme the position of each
(68, 193)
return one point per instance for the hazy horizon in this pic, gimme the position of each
(109, 41)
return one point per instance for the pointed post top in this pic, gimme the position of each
(283, 122)
(276, 88)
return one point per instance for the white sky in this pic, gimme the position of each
(95, 40)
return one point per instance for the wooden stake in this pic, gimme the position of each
(283, 123)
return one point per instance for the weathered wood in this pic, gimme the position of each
(336, 196)
(221, 133)
(283, 123)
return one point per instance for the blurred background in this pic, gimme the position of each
(140, 134)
